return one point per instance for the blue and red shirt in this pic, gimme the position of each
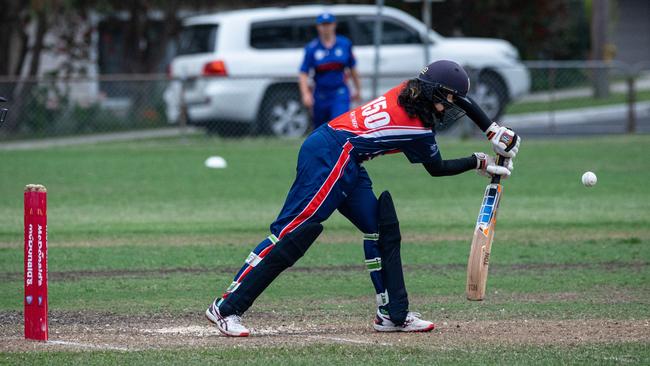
(328, 63)
(383, 127)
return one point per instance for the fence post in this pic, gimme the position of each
(182, 118)
(466, 124)
(551, 87)
(631, 101)
(599, 25)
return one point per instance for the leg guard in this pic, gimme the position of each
(389, 248)
(285, 253)
(252, 260)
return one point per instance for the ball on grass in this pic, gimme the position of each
(589, 179)
(216, 162)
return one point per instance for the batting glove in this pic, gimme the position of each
(505, 141)
(487, 166)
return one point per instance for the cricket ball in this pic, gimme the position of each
(589, 179)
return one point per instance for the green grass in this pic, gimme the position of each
(144, 227)
(573, 103)
(354, 355)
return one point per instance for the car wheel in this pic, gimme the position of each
(282, 113)
(491, 94)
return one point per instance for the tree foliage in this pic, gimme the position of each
(540, 29)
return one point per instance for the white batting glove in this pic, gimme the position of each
(487, 166)
(505, 141)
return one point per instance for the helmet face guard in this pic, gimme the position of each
(439, 93)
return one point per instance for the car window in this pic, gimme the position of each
(290, 33)
(343, 27)
(393, 32)
(197, 39)
(273, 34)
(305, 31)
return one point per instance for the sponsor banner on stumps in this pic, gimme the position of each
(36, 326)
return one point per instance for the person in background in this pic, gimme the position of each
(331, 59)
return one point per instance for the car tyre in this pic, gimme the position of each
(491, 94)
(282, 113)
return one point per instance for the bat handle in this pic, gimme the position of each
(501, 160)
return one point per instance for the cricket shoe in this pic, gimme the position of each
(229, 325)
(413, 323)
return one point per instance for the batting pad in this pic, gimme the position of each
(285, 253)
(389, 248)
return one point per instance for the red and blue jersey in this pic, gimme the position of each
(328, 63)
(383, 127)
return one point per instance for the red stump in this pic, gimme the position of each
(36, 262)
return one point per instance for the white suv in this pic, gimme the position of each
(240, 67)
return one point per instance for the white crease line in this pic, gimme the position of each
(108, 347)
(345, 340)
(622, 359)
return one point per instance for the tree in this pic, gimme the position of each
(19, 92)
(540, 29)
(13, 39)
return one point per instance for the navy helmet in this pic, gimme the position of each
(441, 79)
(447, 75)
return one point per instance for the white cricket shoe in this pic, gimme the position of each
(229, 325)
(413, 323)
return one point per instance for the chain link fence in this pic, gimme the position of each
(574, 98)
(47, 107)
(583, 98)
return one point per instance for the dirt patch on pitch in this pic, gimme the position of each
(94, 331)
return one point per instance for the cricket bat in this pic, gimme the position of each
(479, 253)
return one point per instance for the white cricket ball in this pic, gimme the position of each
(589, 179)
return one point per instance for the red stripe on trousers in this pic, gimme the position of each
(322, 193)
(311, 207)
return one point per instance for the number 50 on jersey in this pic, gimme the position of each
(374, 116)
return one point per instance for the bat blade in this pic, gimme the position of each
(479, 255)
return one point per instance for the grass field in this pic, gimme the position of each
(143, 236)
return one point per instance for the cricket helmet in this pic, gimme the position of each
(446, 75)
(441, 79)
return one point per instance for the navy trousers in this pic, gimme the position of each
(327, 178)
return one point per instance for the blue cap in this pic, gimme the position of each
(326, 18)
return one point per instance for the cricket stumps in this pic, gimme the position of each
(36, 326)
